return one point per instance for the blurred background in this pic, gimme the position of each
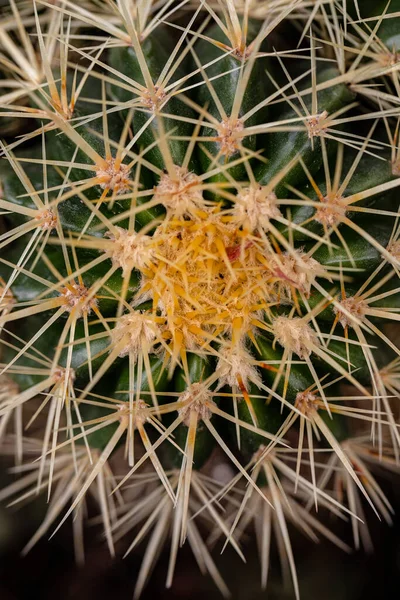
(325, 572)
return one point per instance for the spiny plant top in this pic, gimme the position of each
(200, 250)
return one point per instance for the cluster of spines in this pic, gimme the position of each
(219, 266)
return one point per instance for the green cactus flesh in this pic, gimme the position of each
(199, 258)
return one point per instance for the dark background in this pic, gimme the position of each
(325, 572)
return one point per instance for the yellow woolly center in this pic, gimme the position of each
(208, 278)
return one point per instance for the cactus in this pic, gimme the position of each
(199, 268)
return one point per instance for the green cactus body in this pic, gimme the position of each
(200, 257)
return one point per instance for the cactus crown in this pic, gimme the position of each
(200, 251)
